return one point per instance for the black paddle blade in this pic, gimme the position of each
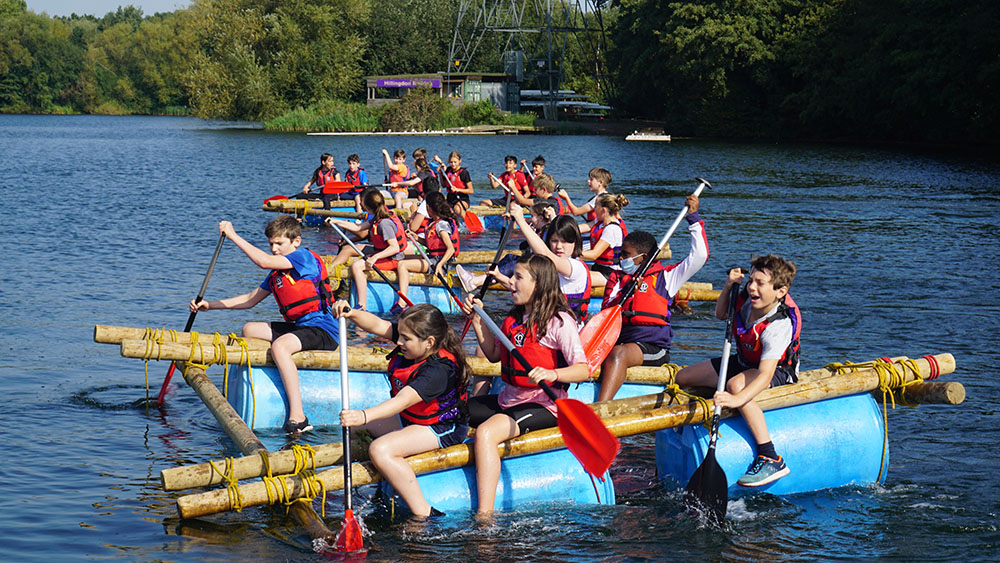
(708, 492)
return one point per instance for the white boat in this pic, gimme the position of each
(648, 136)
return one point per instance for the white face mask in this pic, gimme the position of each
(630, 265)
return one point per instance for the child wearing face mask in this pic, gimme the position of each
(646, 333)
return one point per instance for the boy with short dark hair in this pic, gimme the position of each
(766, 331)
(512, 180)
(299, 283)
(646, 334)
(357, 177)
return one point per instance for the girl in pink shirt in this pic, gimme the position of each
(541, 327)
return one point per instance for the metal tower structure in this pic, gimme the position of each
(530, 37)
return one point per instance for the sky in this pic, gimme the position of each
(101, 7)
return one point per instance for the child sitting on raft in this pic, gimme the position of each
(512, 180)
(563, 245)
(300, 285)
(427, 408)
(400, 173)
(766, 331)
(542, 327)
(387, 238)
(357, 177)
(646, 334)
(326, 172)
(457, 182)
(440, 236)
(606, 237)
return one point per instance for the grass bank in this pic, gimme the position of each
(418, 111)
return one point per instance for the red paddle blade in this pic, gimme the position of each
(600, 335)
(473, 223)
(350, 539)
(275, 197)
(586, 437)
(337, 187)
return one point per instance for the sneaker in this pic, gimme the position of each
(396, 309)
(762, 471)
(292, 427)
(467, 279)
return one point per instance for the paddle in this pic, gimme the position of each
(349, 540)
(327, 189)
(600, 334)
(472, 221)
(190, 321)
(508, 228)
(361, 255)
(708, 487)
(585, 435)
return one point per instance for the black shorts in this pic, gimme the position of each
(528, 416)
(347, 196)
(781, 375)
(655, 356)
(455, 197)
(412, 192)
(311, 337)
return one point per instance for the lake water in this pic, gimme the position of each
(112, 220)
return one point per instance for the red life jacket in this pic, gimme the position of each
(323, 177)
(579, 302)
(297, 298)
(646, 306)
(613, 254)
(353, 176)
(536, 355)
(748, 347)
(435, 244)
(519, 180)
(380, 243)
(450, 406)
(454, 179)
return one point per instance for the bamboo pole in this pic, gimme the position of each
(108, 334)
(361, 359)
(543, 440)
(246, 440)
(316, 207)
(928, 393)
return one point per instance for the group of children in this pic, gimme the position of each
(434, 401)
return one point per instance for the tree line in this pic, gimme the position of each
(907, 70)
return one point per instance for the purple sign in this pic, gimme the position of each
(408, 83)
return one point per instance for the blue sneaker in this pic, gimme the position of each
(396, 309)
(762, 471)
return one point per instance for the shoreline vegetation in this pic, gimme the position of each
(420, 110)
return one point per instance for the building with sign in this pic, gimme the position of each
(500, 89)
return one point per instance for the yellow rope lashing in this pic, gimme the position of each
(673, 389)
(890, 376)
(232, 484)
(305, 456)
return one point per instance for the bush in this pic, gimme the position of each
(419, 110)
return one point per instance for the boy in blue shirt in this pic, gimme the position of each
(299, 282)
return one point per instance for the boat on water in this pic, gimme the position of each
(648, 135)
(829, 427)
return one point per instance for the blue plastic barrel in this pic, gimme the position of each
(826, 444)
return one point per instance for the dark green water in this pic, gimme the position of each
(112, 220)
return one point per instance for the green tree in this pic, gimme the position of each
(39, 64)
(258, 59)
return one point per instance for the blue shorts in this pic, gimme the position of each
(348, 196)
(449, 433)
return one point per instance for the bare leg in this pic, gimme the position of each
(751, 411)
(344, 255)
(597, 279)
(615, 366)
(281, 350)
(701, 374)
(489, 434)
(360, 282)
(388, 452)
